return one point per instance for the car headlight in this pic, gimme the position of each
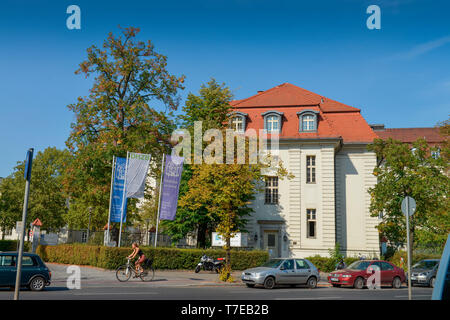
(346, 276)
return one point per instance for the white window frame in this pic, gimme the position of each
(311, 169)
(311, 216)
(271, 188)
(312, 124)
(237, 114)
(268, 115)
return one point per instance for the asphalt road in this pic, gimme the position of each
(99, 284)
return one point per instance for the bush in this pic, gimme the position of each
(11, 245)
(163, 258)
(326, 264)
(416, 257)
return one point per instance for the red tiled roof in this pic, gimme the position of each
(409, 135)
(335, 119)
(287, 94)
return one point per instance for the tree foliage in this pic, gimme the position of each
(47, 200)
(121, 113)
(402, 172)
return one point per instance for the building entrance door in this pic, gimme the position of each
(271, 243)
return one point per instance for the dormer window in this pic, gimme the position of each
(308, 120)
(237, 121)
(272, 121)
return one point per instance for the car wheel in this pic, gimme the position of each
(312, 283)
(396, 283)
(250, 285)
(359, 283)
(432, 280)
(269, 283)
(37, 284)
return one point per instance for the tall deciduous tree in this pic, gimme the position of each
(404, 172)
(210, 107)
(47, 200)
(120, 114)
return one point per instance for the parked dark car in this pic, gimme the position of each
(35, 274)
(424, 272)
(358, 272)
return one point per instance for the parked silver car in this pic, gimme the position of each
(424, 272)
(282, 271)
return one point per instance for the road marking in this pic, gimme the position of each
(317, 298)
(112, 293)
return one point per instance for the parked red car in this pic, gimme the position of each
(358, 272)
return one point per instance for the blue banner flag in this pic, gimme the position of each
(171, 184)
(117, 191)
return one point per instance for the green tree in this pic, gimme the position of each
(403, 172)
(119, 115)
(211, 107)
(47, 200)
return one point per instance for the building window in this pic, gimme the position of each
(237, 120)
(237, 124)
(272, 121)
(311, 169)
(311, 223)
(308, 120)
(271, 190)
(436, 153)
(308, 123)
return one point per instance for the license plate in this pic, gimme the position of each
(335, 279)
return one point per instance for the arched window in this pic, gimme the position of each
(272, 121)
(308, 120)
(237, 121)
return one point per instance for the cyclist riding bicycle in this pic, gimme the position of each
(137, 251)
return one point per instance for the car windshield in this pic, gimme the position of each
(425, 264)
(359, 265)
(272, 263)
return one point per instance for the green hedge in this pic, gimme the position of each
(326, 264)
(163, 258)
(11, 245)
(416, 257)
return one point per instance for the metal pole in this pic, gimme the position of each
(159, 202)
(123, 200)
(24, 223)
(408, 248)
(89, 224)
(108, 235)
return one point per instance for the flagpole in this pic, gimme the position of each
(108, 235)
(123, 199)
(159, 202)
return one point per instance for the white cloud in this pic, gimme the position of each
(423, 48)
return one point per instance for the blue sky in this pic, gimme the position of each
(398, 75)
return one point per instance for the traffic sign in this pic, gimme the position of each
(408, 206)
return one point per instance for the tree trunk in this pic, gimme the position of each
(228, 252)
(201, 235)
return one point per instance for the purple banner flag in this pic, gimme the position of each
(170, 187)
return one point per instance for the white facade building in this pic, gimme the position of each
(323, 143)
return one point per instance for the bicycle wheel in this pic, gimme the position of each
(148, 274)
(123, 273)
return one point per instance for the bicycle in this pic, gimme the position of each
(124, 272)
